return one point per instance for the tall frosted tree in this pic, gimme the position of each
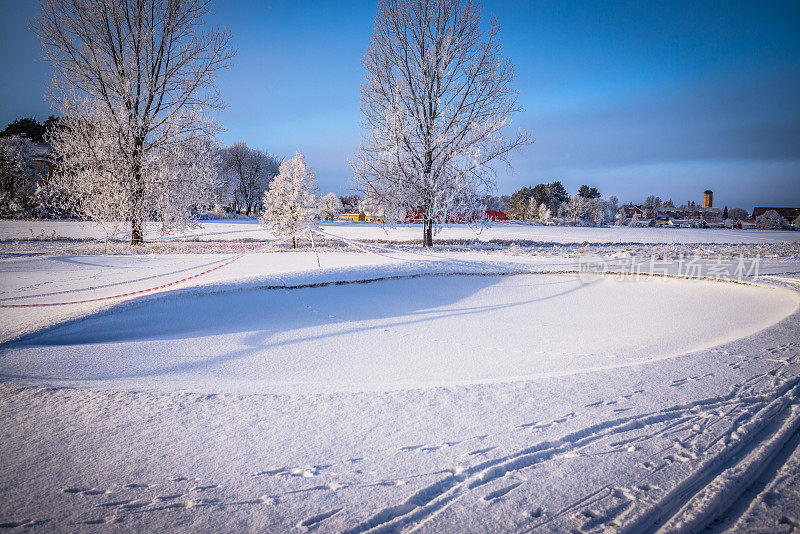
(436, 101)
(135, 83)
(291, 202)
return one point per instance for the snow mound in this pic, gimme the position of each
(392, 334)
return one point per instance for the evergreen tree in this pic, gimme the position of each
(26, 127)
(588, 192)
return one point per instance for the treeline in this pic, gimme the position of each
(550, 202)
(27, 162)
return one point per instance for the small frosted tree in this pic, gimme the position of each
(613, 204)
(532, 212)
(291, 202)
(331, 206)
(544, 213)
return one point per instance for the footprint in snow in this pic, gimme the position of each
(313, 521)
(481, 451)
(14, 524)
(502, 492)
(101, 521)
(163, 498)
(205, 488)
(95, 492)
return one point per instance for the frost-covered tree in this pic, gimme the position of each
(651, 204)
(436, 100)
(175, 178)
(532, 212)
(772, 220)
(291, 202)
(613, 205)
(17, 175)
(738, 213)
(598, 211)
(331, 206)
(544, 213)
(135, 82)
(248, 171)
(582, 210)
(574, 209)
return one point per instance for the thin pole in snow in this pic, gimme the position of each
(311, 235)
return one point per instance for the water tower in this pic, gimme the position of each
(708, 198)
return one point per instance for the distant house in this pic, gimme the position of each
(628, 211)
(746, 224)
(790, 214)
(415, 216)
(43, 161)
(352, 215)
(682, 223)
(494, 215)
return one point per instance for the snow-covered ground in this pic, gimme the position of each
(514, 395)
(242, 229)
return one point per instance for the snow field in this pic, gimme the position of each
(407, 333)
(250, 229)
(427, 403)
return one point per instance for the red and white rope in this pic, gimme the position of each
(156, 288)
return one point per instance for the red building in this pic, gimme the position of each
(414, 216)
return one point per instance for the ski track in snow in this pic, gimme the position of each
(710, 439)
(699, 444)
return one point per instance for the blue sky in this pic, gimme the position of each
(635, 98)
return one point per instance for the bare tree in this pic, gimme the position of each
(142, 72)
(249, 170)
(651, 205)
(435, 101)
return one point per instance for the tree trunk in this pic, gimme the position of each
(137, 231)
(137, 234)
(294, 242)
(427, 233)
